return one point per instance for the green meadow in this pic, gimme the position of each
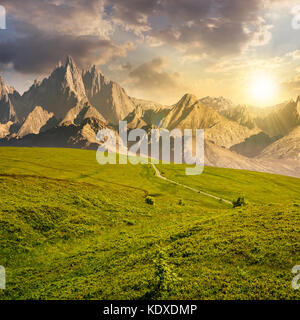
(73, 229)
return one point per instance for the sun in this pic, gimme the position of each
(262, 88)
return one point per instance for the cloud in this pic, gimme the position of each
(151, 80)
(196, 26)
(133, 14)
(47, 30)
(152, 76)
(295, 55)
(42, 32)
(76, 17)
(292, 85)
(246, 65)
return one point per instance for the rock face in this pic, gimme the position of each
(65, 94)
(287, 147)
(82, 135)
(38, 120)
(190, 113)
(282, 120)
(253, 145)
(241, 115)
(220, 104)
(69, 107)
(59, 93)
(5, 129)
(107, 96)
(7, 112)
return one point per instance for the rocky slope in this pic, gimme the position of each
(287, 147)
(69, 107)
(190, 113)
(38, 120)
(281, 120)
(60, 92)
(107, 96)
(7, 111)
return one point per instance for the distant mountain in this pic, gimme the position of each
(242, 115)
(38, 120)
(68, 108)
(253, 145)
(107, 96)
(7, 111)
(190, 113)
(147, 114)
(287, 147)
(63, 90)
(82, 135)
(220, 104)
(281, 120)
(66, 94)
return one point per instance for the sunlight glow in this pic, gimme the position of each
(262, 88)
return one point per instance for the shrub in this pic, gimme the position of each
(150, 200)
(181, 203)
(166, 279)
(129, 222)
(240, 202)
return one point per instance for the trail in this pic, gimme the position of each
(158, 174)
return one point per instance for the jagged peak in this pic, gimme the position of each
(93, 70)
(187, 99)
(36, 83)
(70, 61)
(1, 81)
(3, 87)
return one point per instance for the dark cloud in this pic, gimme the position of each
(152, 76)
(133, 14)
(220, 27)
(39, 52)
(43, 32)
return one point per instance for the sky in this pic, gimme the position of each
(244, 50)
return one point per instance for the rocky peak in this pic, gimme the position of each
(3, 88)
(36, 122)
(187, 100)
(106, 96)
(7, 112)
(73, 78)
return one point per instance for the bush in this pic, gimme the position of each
(150, 200)
(165, 280)
(240, 202)
(129, 222)
(181, 203)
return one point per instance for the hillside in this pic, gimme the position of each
(93, 236)
(287, 147)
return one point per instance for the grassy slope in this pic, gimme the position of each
(70, 228)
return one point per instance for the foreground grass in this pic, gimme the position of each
(72, 229)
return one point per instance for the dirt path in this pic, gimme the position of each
(158, 174)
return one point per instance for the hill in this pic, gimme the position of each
(72, 229)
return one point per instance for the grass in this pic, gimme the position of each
(72, 229)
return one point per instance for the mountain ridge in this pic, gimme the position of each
(67, 109)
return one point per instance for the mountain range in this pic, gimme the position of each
(69, 107)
